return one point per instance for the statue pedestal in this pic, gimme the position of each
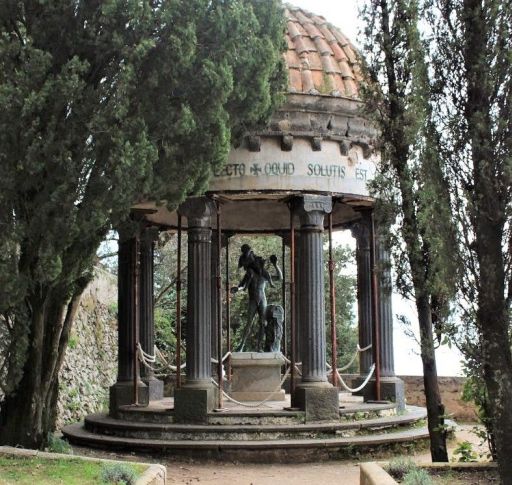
(257, 376)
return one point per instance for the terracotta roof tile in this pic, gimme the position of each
(302, 18)
(295, 81)
(315, 62)
(318, 20)
(350, 53)
(320, 59)
(340, 85)
(300, 47)
(346, 72)
(339, 54)
(307, 81)
(293, 30)
(330, 65)
(313, 31)
(292, 59)
(323, 47)
(350, 87)
(329, 36)
(289, 41)
(289, 15)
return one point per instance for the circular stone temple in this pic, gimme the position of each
(306, 173)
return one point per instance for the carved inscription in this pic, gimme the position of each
(318, 170)
(288, 169)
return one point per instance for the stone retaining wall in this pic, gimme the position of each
(90, 365)
(451, 392)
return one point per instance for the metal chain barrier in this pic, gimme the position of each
(258, 404)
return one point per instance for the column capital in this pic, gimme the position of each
(311, 210)
(149, 234)
(360, 230)
(198, 211)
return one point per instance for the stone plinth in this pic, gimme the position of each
(391, 389)
(256, 376)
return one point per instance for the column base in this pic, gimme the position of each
(391, 389)
(320, 402)
(155, 388)
(192, 404)
(121, 394)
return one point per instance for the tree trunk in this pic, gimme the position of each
(493, 322)
(435, 407)
(28, 414)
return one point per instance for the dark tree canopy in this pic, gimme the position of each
(103, 103)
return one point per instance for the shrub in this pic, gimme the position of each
(399, 467)
(118, 473)
(465, 452)
(58, 445)
(418, 476)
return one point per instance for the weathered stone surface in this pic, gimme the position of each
(319, 403)
(155, 388)
(256, 376)
(122, 394)
(391, 389)
(259, 396)
(90, 364)
(193, 405)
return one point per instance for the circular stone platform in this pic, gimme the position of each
(260, 434)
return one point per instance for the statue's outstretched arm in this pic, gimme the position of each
(279, 274)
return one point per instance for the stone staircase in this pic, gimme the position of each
(255, 435)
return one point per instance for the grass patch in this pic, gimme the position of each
(40, 471)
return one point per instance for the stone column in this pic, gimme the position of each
(392, 388)
(196, 398)
(298, 346)
(361, 232)
(214, 300)
(214, 297)
(314, 394)
(147, 321)
(387, 360)
(122, 392)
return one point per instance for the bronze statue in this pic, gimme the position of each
(254, 281)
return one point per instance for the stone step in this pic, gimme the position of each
(102, 424)
(164, 414)
(284, 450)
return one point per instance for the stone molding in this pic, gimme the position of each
(198, 211)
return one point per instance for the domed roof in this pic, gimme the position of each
(320, 59)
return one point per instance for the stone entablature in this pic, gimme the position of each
(301, 169)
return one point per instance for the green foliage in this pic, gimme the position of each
(29, 471)
(464, 452)
(418, 476)
(72, 342)
(399, 467)
(118, 474)
(58, 445)
(102, 105)
(475, 391)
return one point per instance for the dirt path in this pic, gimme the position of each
(185, 472)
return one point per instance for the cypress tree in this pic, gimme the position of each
(102, 104)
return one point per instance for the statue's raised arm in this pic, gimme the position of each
(278, 276)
